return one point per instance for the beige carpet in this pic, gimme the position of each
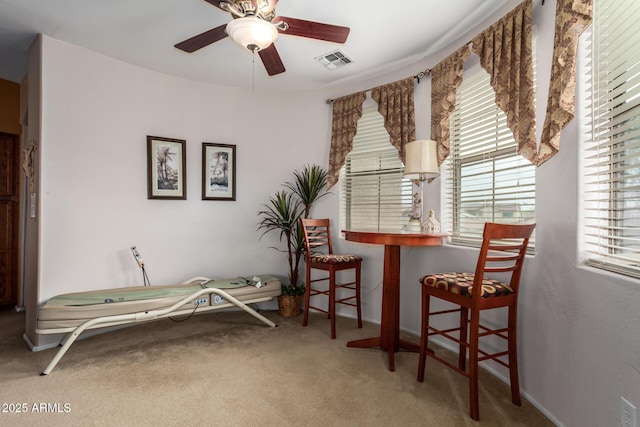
(228, 369)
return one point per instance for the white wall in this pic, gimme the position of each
(579, 345)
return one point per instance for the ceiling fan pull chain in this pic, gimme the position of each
(253, 72)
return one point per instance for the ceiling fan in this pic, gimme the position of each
(255, 27)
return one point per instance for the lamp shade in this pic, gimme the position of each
(252, 33)
(421, 160)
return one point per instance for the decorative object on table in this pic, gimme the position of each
(166, 168)
(503, 251)
(218, 171)
(421, 164)
(319, 255)
(431, 225)
(282, 214)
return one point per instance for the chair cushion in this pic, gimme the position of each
(462, 283)
(334, 258)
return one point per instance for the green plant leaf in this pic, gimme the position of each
(309, 185)
(292, 290)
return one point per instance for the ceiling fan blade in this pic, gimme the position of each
(215, 3)
(314, 30)
(271, 60)
(202, 40)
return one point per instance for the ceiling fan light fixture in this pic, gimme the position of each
(252, 33)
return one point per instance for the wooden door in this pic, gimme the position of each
(9, 220)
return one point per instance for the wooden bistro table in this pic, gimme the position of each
(389, 339)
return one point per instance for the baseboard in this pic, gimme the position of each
(36, 348)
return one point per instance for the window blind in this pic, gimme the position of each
(374, 195)
(485, 180)
(612, 147)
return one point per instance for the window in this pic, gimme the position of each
(612, 147)
(484, 179)
(373, 193)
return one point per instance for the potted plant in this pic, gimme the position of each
(282, 214)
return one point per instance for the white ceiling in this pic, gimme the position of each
(385, 35)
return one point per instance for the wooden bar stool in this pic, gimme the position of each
(319, 255)
(503, 251)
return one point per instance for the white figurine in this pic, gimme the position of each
(431, 225)
(416, 211)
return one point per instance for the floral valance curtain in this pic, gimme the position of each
(347, 110)
(506, 54)
(572, 17)
(445, 80)
(396, 105)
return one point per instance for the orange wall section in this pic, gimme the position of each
(10, 107)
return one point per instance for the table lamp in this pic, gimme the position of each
(421, 164)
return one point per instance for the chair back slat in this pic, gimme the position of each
(499, 269)
(497, 258)
(505, 247)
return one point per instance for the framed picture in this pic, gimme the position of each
(218, 171)
(166, 168)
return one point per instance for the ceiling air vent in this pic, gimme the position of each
(333, 60)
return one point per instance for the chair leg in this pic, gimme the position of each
(462, 350)
(513, 356)
(307, 298)
(474, 410)
(424, 334)
(358, 303)
(332, 302)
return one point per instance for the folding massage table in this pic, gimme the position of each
(75, 313)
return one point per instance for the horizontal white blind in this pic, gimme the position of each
(374, 195)
(485, 179)
(612, 150)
